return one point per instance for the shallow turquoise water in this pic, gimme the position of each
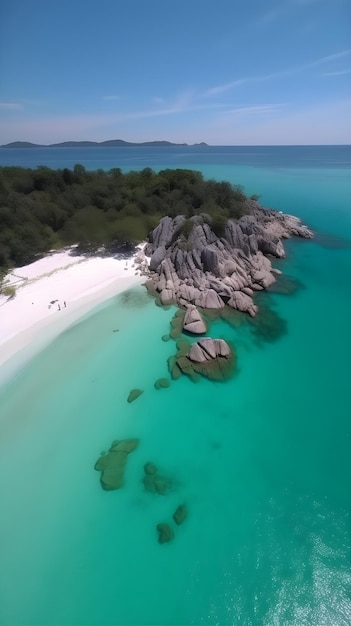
(262, 461)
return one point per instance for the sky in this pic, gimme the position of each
(227, 72)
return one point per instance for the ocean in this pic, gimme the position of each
(262, 462)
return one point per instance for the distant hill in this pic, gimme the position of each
(96, 144)
(22, 144)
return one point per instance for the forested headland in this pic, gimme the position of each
(43, 209)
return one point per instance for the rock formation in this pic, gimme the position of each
(180, 515)
(177, 324)
(208, 349)
(165, 532)
(212, 358)
(112, 464)
(155, 482)
(208, 271)
(193, 322)
(162, 383)
(150, 468)
(134, 394)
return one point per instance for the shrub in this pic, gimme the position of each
(9, 291)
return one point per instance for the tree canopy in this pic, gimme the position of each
(43, 209)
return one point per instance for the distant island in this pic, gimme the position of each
(111, 143)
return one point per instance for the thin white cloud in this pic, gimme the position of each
(77, 127)
(218, 89)
(170, 110)
(323, 123)
(255, 109)
(330, 57)
(337, 73)
(11, 106)
(185, 102)
(214, 91)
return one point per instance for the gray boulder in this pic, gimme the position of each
(167, 296)
(209, 258)
(211, 300)
(207, 349)
(156, 258)
(193, 322)
(242, 302)
(162, 234)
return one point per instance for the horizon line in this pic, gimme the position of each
(172, 143)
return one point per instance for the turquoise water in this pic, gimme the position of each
(262, 461)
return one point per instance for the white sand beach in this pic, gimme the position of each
(52, 294)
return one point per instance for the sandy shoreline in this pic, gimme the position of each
(51, 295)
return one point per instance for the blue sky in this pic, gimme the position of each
(228, 72)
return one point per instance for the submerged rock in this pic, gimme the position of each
(268, 326)
(233, 317)
(150, 468)
(125, 445)
(285, 285)
(173, 368)
(134, 394)
(165, 532)
(180, 514)
(112, 464)
(162, 383)
(155, 482)
(177, 324)
(183, 347)
(333, 242)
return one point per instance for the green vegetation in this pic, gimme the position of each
(8, 290)
(43, 209)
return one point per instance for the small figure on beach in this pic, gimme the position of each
(59, 308)
(64, 303)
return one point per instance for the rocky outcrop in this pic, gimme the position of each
(193, 322)
(208, 349)
(212, 358)
(134, 394)
(161, 383)
(180, 514)
(165, 532)
(154, 482)
(208, 271)
(112, 465)
(150, 468)
(177, 324)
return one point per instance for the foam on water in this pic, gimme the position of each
(261, 461)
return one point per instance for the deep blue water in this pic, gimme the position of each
(138, 157)
(261, 461)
